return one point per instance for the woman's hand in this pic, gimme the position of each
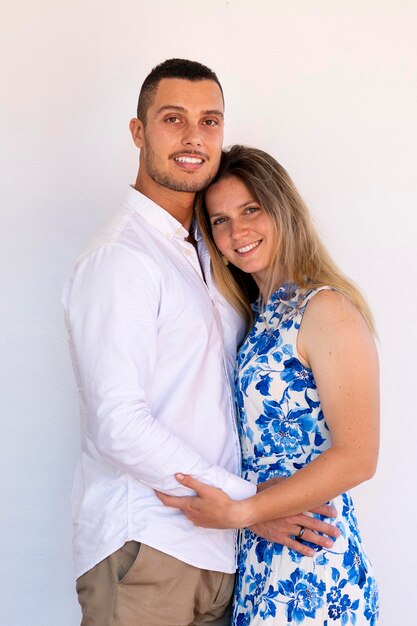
(210, 508)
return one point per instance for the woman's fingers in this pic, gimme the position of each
(202, 489)
(210, 507)
(176, 502)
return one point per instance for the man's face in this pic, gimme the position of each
(182, 139)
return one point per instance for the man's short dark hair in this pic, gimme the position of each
(171, 68)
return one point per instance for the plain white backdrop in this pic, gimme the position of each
(329, 88)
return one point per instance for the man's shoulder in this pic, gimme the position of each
(111, 232)
(126, 232)
(121, 247)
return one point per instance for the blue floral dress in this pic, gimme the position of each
(282, 428)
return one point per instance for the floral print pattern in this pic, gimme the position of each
(282, 428)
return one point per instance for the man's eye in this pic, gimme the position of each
(211, 122)
(172, 119)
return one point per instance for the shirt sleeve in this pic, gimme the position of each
(112, 304)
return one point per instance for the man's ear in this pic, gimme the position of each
(137, 129)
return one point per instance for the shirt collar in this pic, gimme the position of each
(155, 215)
(195, 228)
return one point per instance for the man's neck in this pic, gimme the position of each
(179, 204)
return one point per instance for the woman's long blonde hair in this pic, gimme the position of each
(300, 255)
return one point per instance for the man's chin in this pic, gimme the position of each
(191, 187)
(185, 186)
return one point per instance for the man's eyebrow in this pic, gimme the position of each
(213, 112)
(171, 107)
(175, 107)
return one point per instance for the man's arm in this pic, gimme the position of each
(112, 309)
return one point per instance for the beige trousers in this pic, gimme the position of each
(140, 586)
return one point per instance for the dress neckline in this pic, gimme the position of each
(289, 294)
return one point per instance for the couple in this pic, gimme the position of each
(154, 325)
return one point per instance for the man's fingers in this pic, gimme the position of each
(297, 546)
(311, 536)
(327, 529)
(318, 540)
(312, 523)
(326, 510)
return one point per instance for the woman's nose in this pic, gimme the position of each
(239, 229)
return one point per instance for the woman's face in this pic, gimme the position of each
(242, 230)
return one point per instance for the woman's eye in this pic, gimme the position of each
(252, 209)
(218, 221)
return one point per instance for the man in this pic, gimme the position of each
(153, 345)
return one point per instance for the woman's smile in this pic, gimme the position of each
(248, 247)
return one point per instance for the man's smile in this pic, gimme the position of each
(189, 161)
(184, 159)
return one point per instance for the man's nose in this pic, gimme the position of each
(192, 135)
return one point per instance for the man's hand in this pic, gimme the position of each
(212, 508)
(284, 530)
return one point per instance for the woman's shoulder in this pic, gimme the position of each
(324, 305)
(329, 302)
(295, 296)
(318, 294)
(330, 312)
(332, 324)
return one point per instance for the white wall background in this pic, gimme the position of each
(329, 87)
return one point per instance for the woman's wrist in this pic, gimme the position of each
(242, 513)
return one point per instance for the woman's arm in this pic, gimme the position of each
(334, 340)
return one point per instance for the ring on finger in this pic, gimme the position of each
(300, 532)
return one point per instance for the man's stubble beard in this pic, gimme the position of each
(165, 180)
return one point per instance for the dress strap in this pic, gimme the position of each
(292, 326)
(311, 293)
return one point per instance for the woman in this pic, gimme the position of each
(307, 393)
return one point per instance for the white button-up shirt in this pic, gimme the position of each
(153, 346)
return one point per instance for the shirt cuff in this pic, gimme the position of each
(238, 488)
